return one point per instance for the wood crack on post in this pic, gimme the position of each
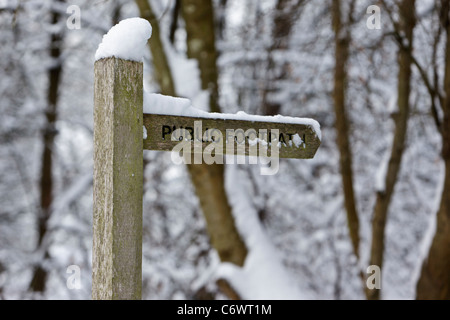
(118, 180)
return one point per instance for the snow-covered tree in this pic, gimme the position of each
(299, 231)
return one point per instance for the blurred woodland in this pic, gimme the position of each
(374, 74)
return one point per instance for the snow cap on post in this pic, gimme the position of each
(127, 40)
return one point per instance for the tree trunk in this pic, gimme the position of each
(342, 42)
(174, 22)
(46, 182)
(161, 66)
(434, 282)
(383, 200)
(221, 19)
(286, 13)
(208, 181)
(199, 19)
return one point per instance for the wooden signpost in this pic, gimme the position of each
(295, 141)
(118, 167)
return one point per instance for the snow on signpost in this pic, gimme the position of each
(122, 131)
(296, 138)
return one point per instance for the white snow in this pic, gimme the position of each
(428, 238)
(392, 104)
(170, 106)
(297, 140)
(145, 133)
(380, 178)
(381, 174)
(263, 276)
(159, 104)
(186, 76)
(127, 40)
(72, 194)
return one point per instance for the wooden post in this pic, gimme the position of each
(118, 180)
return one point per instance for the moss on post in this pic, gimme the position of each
(118, 180)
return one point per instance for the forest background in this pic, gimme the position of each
(375, 74)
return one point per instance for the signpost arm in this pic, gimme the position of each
(118, 180)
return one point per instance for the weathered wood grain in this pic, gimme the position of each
(158, 137)
(118, 180)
